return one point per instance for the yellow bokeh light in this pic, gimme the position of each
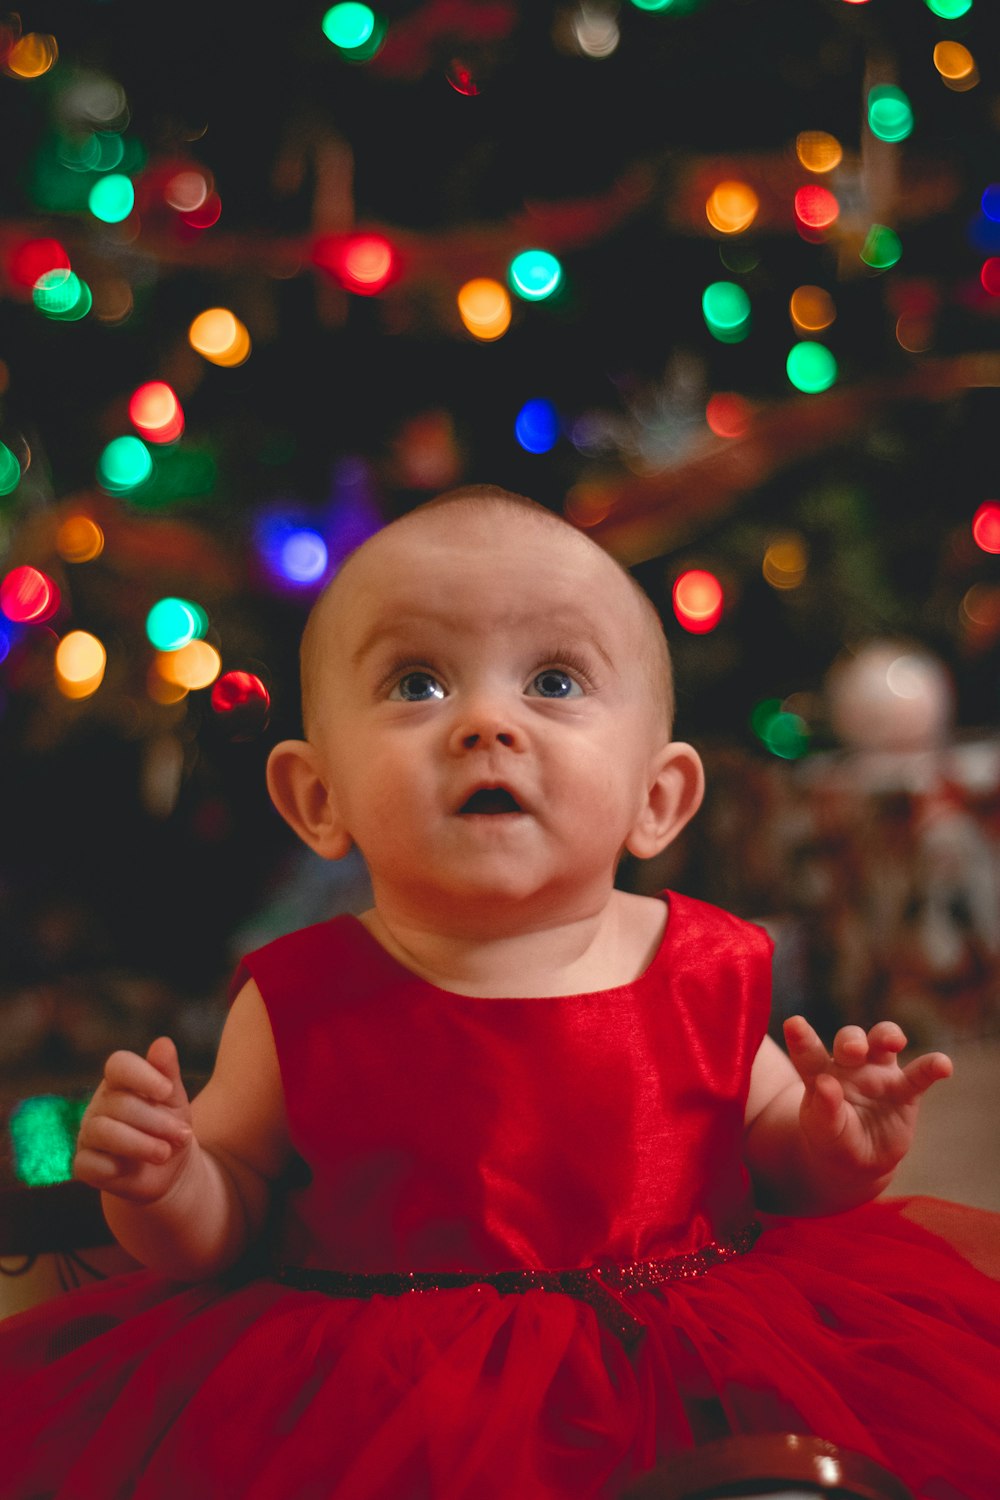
(588, 504)
(220, 337)
(732, 207)
(818, 150)
(33, 55)
(195, 665)
(785, 562)
(811, 308)
(953, 61)
(484, 307)
(159, 689)
(79, 539)
(79, 664)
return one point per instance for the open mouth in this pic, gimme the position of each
(491, 800)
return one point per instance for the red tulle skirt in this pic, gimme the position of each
(876, 1329)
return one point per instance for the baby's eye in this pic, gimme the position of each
(417, 687)
(554, 683)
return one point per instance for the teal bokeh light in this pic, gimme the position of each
(61, 295)
(726, 310)
(10, 471)
(43, 1132)
(890, 116)
(125, 464)
(949, 10)
(534, 274)
(173, 623)
(811, 367)
(112, 198)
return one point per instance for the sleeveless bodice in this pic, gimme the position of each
(444, 1132)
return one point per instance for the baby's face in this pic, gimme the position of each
(483, 717)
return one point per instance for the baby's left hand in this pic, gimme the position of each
(860, 1107)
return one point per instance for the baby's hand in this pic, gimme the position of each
(135, 1137)
(860, 1107)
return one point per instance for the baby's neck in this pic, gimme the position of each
(586, 952)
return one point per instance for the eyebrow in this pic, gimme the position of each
(565, 630)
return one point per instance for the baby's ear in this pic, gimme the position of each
(302, 795)
(677, 785)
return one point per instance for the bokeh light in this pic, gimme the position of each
(192, 666)
(32, 55)
(173, 622)
(303, 556)
(27, 260)
(10, 471)
(726, 309)
(732, 207)
(28, 596)
(155, 412)
(367, 264)
(80, 660)
(949, 10)
(536, 426)
(986, 526)
(786, 561)
(811, 308)
(187, 190)
(112, 198)
(991, 202)
(811, 367)
(62, 296)
(484, 307)
(815, 206)
(355, 30)
(890, 114)
(43, 1132)
(989, 275)
(953, 61)
(785, 734)
(124, 465)
(242, 703)
(728, 414)
(882, 248)
(595, 30)
(818, 151)
(219, 336)
(79, 539)
(534, 274)
(698, 600)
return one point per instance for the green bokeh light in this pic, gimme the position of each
(125, 463)
(949, 10)
(173, 623)
(60, 294)
(112, 198)
(43, 1132)
(882, 247)
(534, 274)
(354, 30)
(890, 116)
(652, 4)
(784, 734)
(811, 367)
(10, 471)
(726, 309)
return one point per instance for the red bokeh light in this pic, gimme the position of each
(28, 596)
(815, 206)
(698, 601)
(728, 415)
(32, 258)
(362, 263)
(155, 412)
(986, 526)
(235, 690)
(990, 276)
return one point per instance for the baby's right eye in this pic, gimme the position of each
(417, 687)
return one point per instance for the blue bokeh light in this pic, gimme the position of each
(536, 426)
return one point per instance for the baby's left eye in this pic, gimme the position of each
(554, 683)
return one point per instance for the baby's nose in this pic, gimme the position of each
(481, 728)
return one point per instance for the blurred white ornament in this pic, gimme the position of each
(890, 695)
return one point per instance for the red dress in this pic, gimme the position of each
(446, 1136)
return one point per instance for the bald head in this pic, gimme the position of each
(482, 509)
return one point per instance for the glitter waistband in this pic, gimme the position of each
(602, 1286)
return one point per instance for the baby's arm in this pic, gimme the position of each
(185, 1186)
(826, 1133)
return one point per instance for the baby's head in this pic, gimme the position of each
(487, 707)
(484, 514)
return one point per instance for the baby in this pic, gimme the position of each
(505, 1143)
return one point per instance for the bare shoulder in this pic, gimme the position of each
(241, 1110)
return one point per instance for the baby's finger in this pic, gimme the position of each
(805, 1048)
(927, 1070)
(825, 1108)
(162, 1055)
(132, 1073)
(850, 1046)
(118, 1139)
(153, 1119)
(886, 1040)
(95, 1168)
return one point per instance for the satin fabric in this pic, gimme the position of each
(436, 1132)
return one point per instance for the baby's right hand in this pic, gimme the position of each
(135, 1137)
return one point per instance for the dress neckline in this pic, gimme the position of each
(391, 962)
